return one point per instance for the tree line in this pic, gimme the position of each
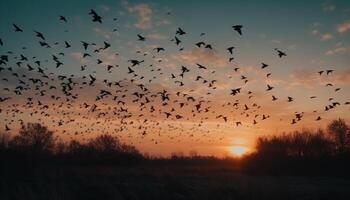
(306, 151)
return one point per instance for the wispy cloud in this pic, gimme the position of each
(157, 36)
(322, 36)
(343, 27)
(103, 33)
(328, 7)
(338, 51)
(105, 8)
(162, 22)
(310, 79)
(326, 37)
(79, 57)
(204, 56)
(343, 78)
(144, 15)
(302, 77)
(315, 32)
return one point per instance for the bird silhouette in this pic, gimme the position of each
(263, 65)
(158, 49)
(141, 38)
(329, 71)
(180, 32)
(280, 53)
(238, 29)
(199, 44)
(201, 66)
(230, 49)
(177, 41)
(269, 88)
(39, 35)
(62, 18)
(95, 16)
(17, 29)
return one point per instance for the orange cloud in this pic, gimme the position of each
(311, 79)
(343, 27)
(343, 78)
(205, 56)
(304, 77)
(338, 50)
(326, 37)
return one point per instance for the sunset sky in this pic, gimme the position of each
(315, 35)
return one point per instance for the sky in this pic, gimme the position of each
(314, 35)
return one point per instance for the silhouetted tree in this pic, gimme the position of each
(319, 144)
(193, 154)
(309, 144)
(105, 144)
(274, 146)
(34, 138)
(339, 130)
(4, 140)
(177, 155)
(129, 149)
(298, 144)
(109, 145)
(60, 148)
(75, 147)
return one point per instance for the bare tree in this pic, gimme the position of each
(297, 144)
(34, 138)
(4, 140)
(105, 143)
(339, 130)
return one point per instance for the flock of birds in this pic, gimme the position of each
(33, 91)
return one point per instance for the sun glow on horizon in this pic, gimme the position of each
(238, 150)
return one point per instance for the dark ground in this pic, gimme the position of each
(163, 182)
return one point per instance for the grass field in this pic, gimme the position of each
(165, 182)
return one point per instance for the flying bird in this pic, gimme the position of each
(230, 49)
(235, 91)
(39, 35)
(199, 44)
(62, 18)
(269, 88)
(201, 66)
(263, 65)
(238, 28)
(329, 71)
(95, 16)
(158, 49)
(141, 38)
(17, 29)
(180, 32)
(280, 53)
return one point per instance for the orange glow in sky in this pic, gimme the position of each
(157, 77)
(238, 150)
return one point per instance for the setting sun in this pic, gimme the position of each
(238, 150)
